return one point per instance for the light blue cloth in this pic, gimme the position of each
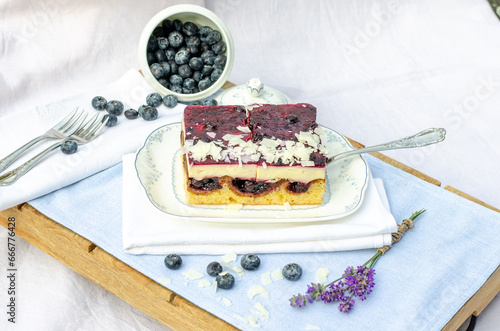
(420, 283)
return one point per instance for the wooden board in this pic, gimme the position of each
(157, 301)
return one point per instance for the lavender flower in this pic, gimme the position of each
(355, 282)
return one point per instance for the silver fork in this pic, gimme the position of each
(65, 128)
(84, 135)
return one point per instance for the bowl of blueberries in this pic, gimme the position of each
(186, 51)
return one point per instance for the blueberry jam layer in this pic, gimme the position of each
(250, 186)
(206, 184)
(297, 187)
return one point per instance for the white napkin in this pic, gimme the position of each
(147, 230)
(57, 169)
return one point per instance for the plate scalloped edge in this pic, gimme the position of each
(158, 168)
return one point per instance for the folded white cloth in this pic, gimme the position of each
(59, 170)
(147, 230)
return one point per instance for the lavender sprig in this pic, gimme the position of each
(355, 282)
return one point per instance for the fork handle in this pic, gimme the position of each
(12, 176)
(4, 163)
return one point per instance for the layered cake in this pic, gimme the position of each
(259, 155)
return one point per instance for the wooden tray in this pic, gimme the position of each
(157, 301)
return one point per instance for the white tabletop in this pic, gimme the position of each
(376, 71)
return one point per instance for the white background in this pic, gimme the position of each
(376, 71)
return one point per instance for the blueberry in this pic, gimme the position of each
(207, 70)
(156, 70)
(250, 262)
(204, 83)
(203, 32)
(141, 108)
(189, 83)
(225, 280)
(198, 103)
(168, 26)
(176, 88)
(193, 50)
(190, 29)
(210, 126)
(214, 268)
(210, 102)
(159, 32)
(175, 39)
(292, 271)
(205, 46)
(170, 54)
(152, 43)
(220, 61)
(197, 76)
(292, 119)
(166, 68)
(174, 67)
(149, 113)
(99, 103)
(185, 71)
(208, 57)
(176, 79)
(215, 74)
(151, 58)
(186, 90)
(131, 114)
(112, 120)
(154, 99)
(213, 37)
(173, 261)
(196, 63)
(182, 57)
(162, 42)
(170, 101)
(114, 107)
(177, 25)
(160, 55)
(193, 41)
(69, 147)
(219, 47)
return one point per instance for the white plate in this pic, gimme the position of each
(159, 168)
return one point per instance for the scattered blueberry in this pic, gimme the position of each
(210, 102)
(99, 103)
(250, 262)
(69, 147)
(154, 99)
(214, 268)
(112, 120)
(131, 114)
(292, 271)
(225, 280)
(173, 261)
(114, 107)
(149, 113)
(141, 108)
(170, 100)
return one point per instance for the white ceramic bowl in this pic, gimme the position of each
(201, 17)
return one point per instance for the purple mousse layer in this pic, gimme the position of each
(281, 121)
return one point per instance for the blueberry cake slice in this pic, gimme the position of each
(263, 155)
